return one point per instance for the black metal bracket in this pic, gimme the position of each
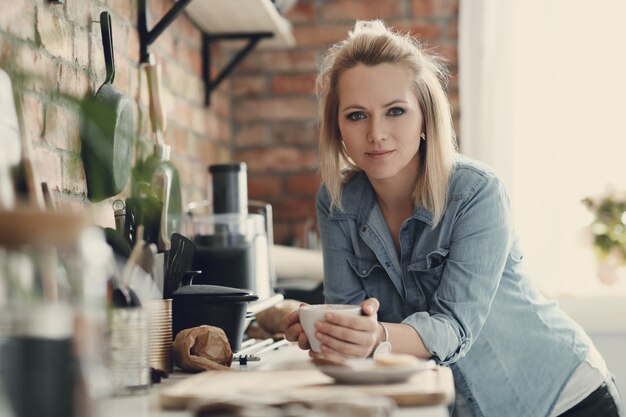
(147, 37)
(207, 40)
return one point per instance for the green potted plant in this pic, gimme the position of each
(609, 234)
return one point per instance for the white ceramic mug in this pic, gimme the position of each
(310, 314)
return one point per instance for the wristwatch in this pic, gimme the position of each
(384, 346)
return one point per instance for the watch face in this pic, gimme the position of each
(382, 348)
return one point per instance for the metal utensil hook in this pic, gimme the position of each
(107, 44)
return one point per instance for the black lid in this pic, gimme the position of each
(232, 167)
(216, 292)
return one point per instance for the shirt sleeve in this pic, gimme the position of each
(480, 243)
(341, 286)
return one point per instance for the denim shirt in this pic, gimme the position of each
(461, 285)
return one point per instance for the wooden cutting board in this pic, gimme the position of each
(431, 387)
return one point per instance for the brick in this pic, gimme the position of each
(453, 80)
(132, 47)
(303, 133)
(40, 70)
(183, 84)
(74, 180)
(302, 12)
(211, 127)
(72, 81)
(278, 159)
(72, 205)
(294, 84)
(263, 186)
(320, 35)
(55, 33)
(211, 153)
(61, 129)
(294, 208)
(199, 121)
(8, 51)
(277, 61)
(176, 136)
(250, 135)
(248, 85)
(189, 58)
(120, 39)
(275, 109)
(303, 184)
(449, 53)
(225, 131)
(47, 164)
(83, 13)
(362, 9)
(220, 103)
(453, 98)
(435, 8)
(80, 46)
(18, 19)
(421, 31)
(101, 213)
(453, 30)
(283, 233)
(189, 32)
(124, 9)
(33, 118)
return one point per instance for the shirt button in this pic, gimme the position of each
(364, 272)
(364, 229)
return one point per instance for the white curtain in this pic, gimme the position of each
(538, 86)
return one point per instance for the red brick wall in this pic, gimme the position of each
(265, 114)
(61, 45)
(273, 103)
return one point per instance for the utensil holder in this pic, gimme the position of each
(159, 314)
(128, 349)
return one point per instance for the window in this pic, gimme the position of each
(543, 101)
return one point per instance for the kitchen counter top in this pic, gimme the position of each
(148, 404)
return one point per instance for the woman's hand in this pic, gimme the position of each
(290, 325)
(349, 337)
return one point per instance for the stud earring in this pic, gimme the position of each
(423, 136)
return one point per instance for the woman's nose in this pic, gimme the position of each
(377, 130)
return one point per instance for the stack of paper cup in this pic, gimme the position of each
(160, 334)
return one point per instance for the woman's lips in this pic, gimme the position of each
(379, 154)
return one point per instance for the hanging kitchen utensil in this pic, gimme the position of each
(179, 262)
(107, 130)
(160, 159)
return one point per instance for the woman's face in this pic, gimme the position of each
(380, 121)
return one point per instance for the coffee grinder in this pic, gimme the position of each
(233, 245)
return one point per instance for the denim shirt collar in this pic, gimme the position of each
(358, 200)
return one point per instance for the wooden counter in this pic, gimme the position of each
(288, 356)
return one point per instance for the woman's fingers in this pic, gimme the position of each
(303, 341)
(290, 325)
(370, 306)
(351, 336)
(289, 319)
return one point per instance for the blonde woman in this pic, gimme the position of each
(422, 238)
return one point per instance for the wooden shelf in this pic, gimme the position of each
(256, 21)
(240, 16)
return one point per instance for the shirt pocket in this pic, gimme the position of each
(426, 272)
(374, 279)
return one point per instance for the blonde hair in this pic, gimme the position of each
(371, 43)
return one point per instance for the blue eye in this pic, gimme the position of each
(396, 111)
(355, 116)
